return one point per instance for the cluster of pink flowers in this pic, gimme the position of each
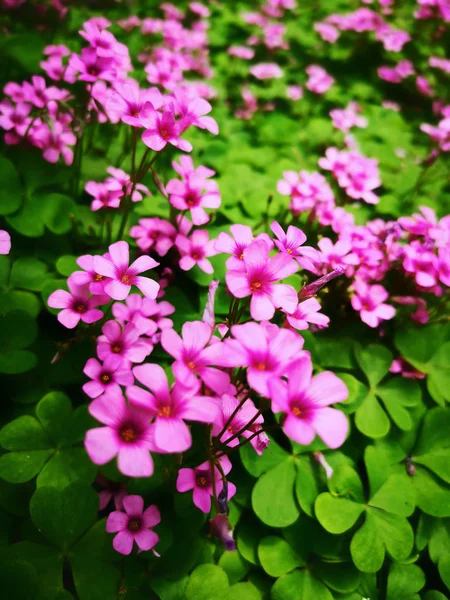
(433, 9)
(319, 81)
(439, 133)
(347, 118)
(109, 193)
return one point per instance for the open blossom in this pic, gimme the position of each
(194, 194)
(241, 237)
(346, 118)
(200, 480)
(121, 275)
(88, 276)
(420, 262)
(294, 92)
(260, 281)
(125, 343)
(195, 355)
(291, 242)
(327, 32)
(266, 351)
(369, 301)
(118, 176)
(305, 402)
(392, 39)
(193, 111)
(127, 434)
(307, 312)
(266, 71)
(336, 255)
(243, 52)
(145, 314)
(106, 195)
(54, 141)
(5, 242)
(195, 250)
(161, 130)
(133, 525)
(247, 414)
(154, 233)
(440, 134)
(107, 377)
(77, 304)
(127, 101)
(319, 81)
(170, 407)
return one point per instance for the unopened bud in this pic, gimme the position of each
(221, 528)
(311, 290)
(159, 184)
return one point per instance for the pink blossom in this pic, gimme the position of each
(118, 176)
(345, 119)
(193, 111)
(259, 280)
(396, 74)
(38, 94)
(200, 480)
(336, 255)
(424, 86)
(88, 276)
(145, 314)
(121, 275)
(199, 9)
(226, 406)
(443, 265)
(15, 117)
(127, 102)
(54, 142)
(90, 66)
(266, 71)
(327, 32)
(134, 525)
(420, 262)
(307, 190)
(195, 250)
(319, 81)
(393, 39)
(307, 312)
(266, 351)
(154, 233)
(127, 434)
(195, 354)
(241, 52)
(369, 302)
(305, 402)
(77, 305)
(170, 407)
(107, 377)
(161, 130)
(5, 242)
(241, 237)
(291, 242)
(440, 134)
(400, 365)
(194, 194)
(439, 63)
(106, 195)
(125, 343)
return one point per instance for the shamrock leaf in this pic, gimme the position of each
(396, 397)
(385, 527)
(18, 330)
(45, 446)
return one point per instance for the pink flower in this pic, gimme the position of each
(134, 525)
(170, 408)
(290, 243)
(104, 194)
(346, 118)
(327, 32)
(241, 52)
(266, 351)
(195, 250)
(122, 275)
(15, 117)
(305, 402)
(200, 480)
(88, 276)
(54, 141)
(294, 92)
(91, 67)
(154, 233)
(259, 280)
(226, 406)
(266, 71)
(112, 490)
(77, 305)
(145, 314)
(369, 301)
(194, 354)
(194, 194)
(400, 365)
(192, 111)
(107, 377)
(5, 242)
(119, 177)
(319, 81)
(127, 434)
(420, 262)
(124, 343)
(161, 130)
(307, 312)
(127, 101)
(241, 237)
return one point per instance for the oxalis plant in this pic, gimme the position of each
(225, 339)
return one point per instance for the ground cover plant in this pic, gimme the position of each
(224, 271)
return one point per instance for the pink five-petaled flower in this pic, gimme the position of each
(369, 301)
(305, 401)
(77, 305)
(134, 525)
(127, 434)
(170, 407)
(107, 377)
(266, 351)
(127, 102)
(241, 237)
(194, 194)
(290, 242)
(106, 194)
(122, 275)
(154, 233)
(193, 356)
(195, 250)
(259, 280)
(125, 343)
(88, 276)
(246, 416)
(200, 480)
(307, 312)
(161, 130)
